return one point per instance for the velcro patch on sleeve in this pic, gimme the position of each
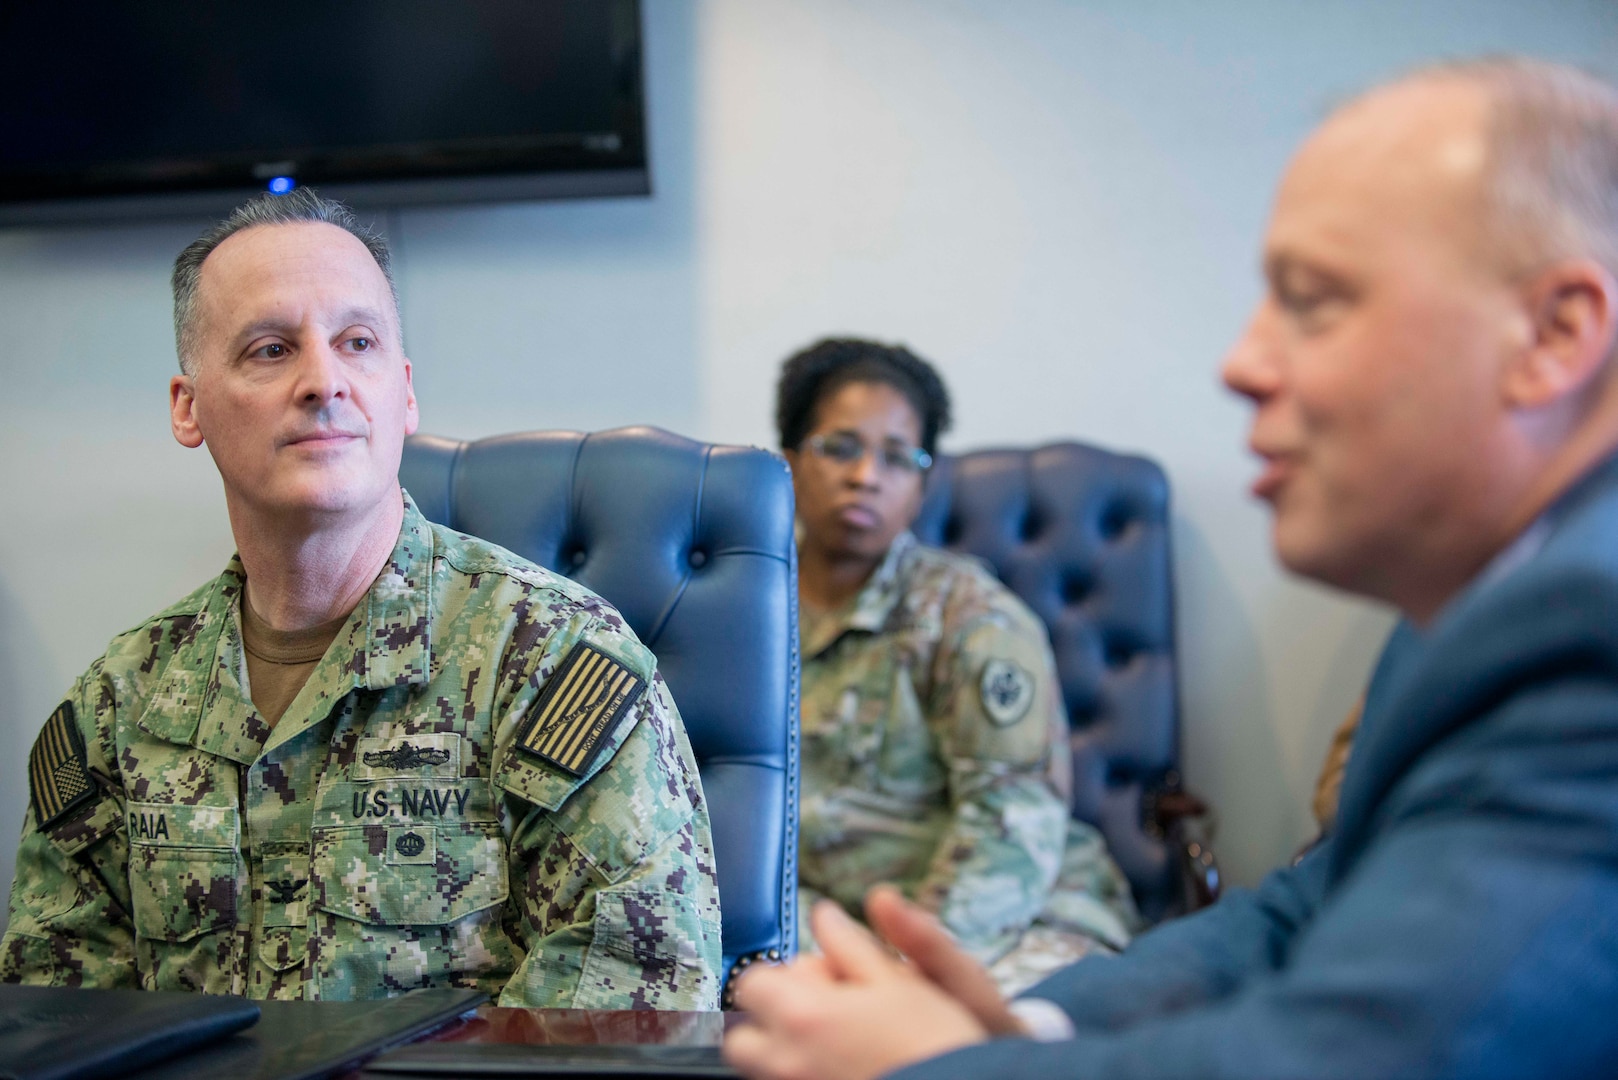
(578, 708)
(58, 770)
(1007, 690)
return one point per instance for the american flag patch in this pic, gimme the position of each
(578, 707)
(58, 772)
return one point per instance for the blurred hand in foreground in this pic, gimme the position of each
(921, 939)
(856, 1011)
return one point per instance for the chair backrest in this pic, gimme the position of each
(693, 544)
(1081, 535)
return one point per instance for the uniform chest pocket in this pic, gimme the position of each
(848, 706)
(185, 872)
(863, 724)
(409, 875)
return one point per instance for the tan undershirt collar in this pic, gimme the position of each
(279, 662)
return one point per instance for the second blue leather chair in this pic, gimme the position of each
(1081, 534)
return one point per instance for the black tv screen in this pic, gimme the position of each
(141, 108)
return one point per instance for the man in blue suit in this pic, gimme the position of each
(1435, 399)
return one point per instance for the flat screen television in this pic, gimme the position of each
(141, 108)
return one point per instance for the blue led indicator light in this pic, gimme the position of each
(282, 184)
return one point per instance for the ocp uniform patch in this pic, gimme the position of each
(1007, 691)
(578, 708)
(58, 770)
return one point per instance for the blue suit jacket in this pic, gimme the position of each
(1462, 920)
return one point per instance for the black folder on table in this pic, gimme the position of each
(310, 1040)
(61, 1033)
(67, 1034)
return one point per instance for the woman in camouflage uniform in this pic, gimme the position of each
(934, 740)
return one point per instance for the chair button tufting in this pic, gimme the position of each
(697, 558)
(1075, 587)
(1118, 655)
(1114, 521)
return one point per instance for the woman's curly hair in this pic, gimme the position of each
(813, 374)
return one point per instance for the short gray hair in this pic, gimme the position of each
(1552, 171)
(298, 205)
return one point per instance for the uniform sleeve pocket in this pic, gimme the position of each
(408, 875)
(645, 954)
(38, 899)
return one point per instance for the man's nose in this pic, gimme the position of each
(1251, 365)
(321, 374)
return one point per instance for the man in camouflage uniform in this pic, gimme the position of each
(935, 758)
(476, 777)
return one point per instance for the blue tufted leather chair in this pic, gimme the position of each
(1082, 536)
(693, 544)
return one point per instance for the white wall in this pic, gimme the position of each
(1058, 202)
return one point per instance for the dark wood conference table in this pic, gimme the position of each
(492, 1025)
(169, 1035)
(587, 1027)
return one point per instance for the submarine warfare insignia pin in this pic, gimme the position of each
(405, 756)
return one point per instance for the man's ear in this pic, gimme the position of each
(183, 411)
(412, 413)
(1573, 311)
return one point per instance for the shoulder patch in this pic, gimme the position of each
(1007, 691)
(58, 770)
(577, 708)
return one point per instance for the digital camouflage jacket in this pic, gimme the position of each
(484, 783)
(934, 748)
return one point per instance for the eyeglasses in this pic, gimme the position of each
(845, 448)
